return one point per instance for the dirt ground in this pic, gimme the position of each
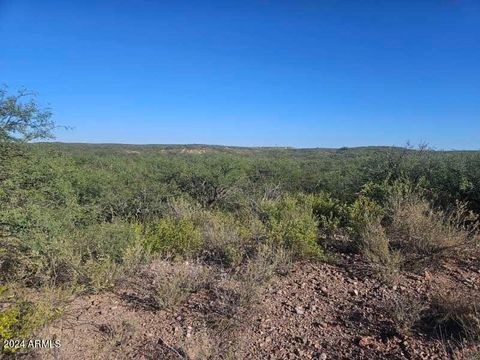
(315, 311)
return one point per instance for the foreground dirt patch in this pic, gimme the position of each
(316, 311)
(328, 312)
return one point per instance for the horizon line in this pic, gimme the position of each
(285, 147)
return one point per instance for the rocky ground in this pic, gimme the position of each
(315, 311)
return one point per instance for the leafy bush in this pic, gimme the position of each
(172, 236)
(292, 225)
(18, 322)
(20, 317)
(362, 215)
(331, 213)
(370, 238)
(223, 242)
(215, 182)
(106, 240)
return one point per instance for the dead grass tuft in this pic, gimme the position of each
(374, 244)
(455, 316)
(176, 280)
(405, 312)
(420, 231)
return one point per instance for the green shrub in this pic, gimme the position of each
(43, 261)
(20, 317)
(173, 236)
(17, 263)
(292, 225)
(100, 273)
(222, 240)
(361, 215)
(105, 240)
(10, 320)
(370, 238)
(330, 212)
(376, 191)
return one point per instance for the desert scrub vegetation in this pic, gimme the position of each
(405, 312)
(80, 218)
(365, 217)
(24, 311)
(178, 279)
(291, 225)
(423, 232)
(172, 236)
(396, 225)
(331, 213)
(226, 240)
(258, 271)
(453, 318)
(420, 229)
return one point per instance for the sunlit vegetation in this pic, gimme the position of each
(81, 217)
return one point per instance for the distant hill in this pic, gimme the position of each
(202, 149)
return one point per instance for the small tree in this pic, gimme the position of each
(21, 118)
(21, 121)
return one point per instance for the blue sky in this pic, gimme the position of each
(318, 73)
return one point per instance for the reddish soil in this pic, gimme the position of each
(316, 311)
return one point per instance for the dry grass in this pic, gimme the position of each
(410, 233)
(222, 241)
(176, 280)
(375, 246)
(419, 230)
(455, 315)
(405, 313)
(258, 272)
(237, 294)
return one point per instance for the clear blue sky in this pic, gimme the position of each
(267, 72)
